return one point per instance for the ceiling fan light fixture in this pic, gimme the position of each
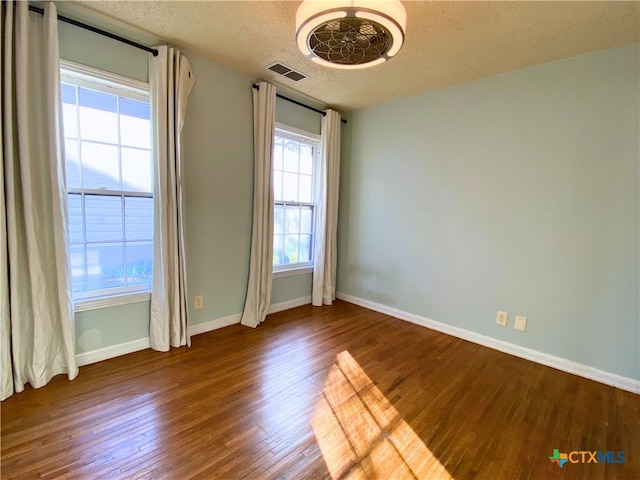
(350, 67)
(303, 31)
(350, 34)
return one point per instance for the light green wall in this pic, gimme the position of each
(88, 48)
(218, 168)
(290, 288)
(296, 116)
(518, 192)
(218, 160)
(105, 327)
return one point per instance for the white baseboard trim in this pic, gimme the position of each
(113, 351)
(233, 319)
(296, 302)
(214, 324)
(559, 363)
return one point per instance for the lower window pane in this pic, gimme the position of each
(291, 248)
(279, 258)
(306, 219)
(293, 219)
(77, 268)
(139, 263)
(278, 220)
(138, 218)
(105, 266)
(103, 215)
(305, 248)
(76, 218)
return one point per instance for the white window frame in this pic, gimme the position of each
(114, 84)
(297, 134)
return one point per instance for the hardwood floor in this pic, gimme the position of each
(319, 392)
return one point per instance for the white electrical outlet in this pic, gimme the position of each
(520, 323)
(198, 301)
(501, 318)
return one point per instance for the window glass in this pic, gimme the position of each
(109, 177)
(98, 116)
(293, 167)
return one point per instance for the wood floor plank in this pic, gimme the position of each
(312, 390)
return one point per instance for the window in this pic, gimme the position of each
(294, 165)
(107, 131)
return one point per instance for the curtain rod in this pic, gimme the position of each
(98, 31)
(257, 87)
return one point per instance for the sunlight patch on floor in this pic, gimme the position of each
(361, 435)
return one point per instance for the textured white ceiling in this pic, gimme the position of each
(446, 42)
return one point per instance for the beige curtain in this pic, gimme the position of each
(37, 331)
(171, 81)
(261, 264)
(327, 184)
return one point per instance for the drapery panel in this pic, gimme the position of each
(327, 184)
(37, 331)
(261, 263)
(171, 81)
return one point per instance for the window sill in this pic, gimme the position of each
(292, 271)
(112, 301)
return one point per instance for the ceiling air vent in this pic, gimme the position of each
(285, 71)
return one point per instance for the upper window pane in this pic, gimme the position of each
(306, 159)
(136, 170)
(304, 185)
(278, 152)
(69, 94)
(135, 123)
(277, 185)
(291, 150)
(97, 100)
(100, 169)
(134, 109)
(73, 169)
(69, 111)
(290, 187)
(98, 116)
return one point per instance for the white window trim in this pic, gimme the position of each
(108, 82)
(290, 272)
(110, 301)
(298, 134)
(293, 131)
